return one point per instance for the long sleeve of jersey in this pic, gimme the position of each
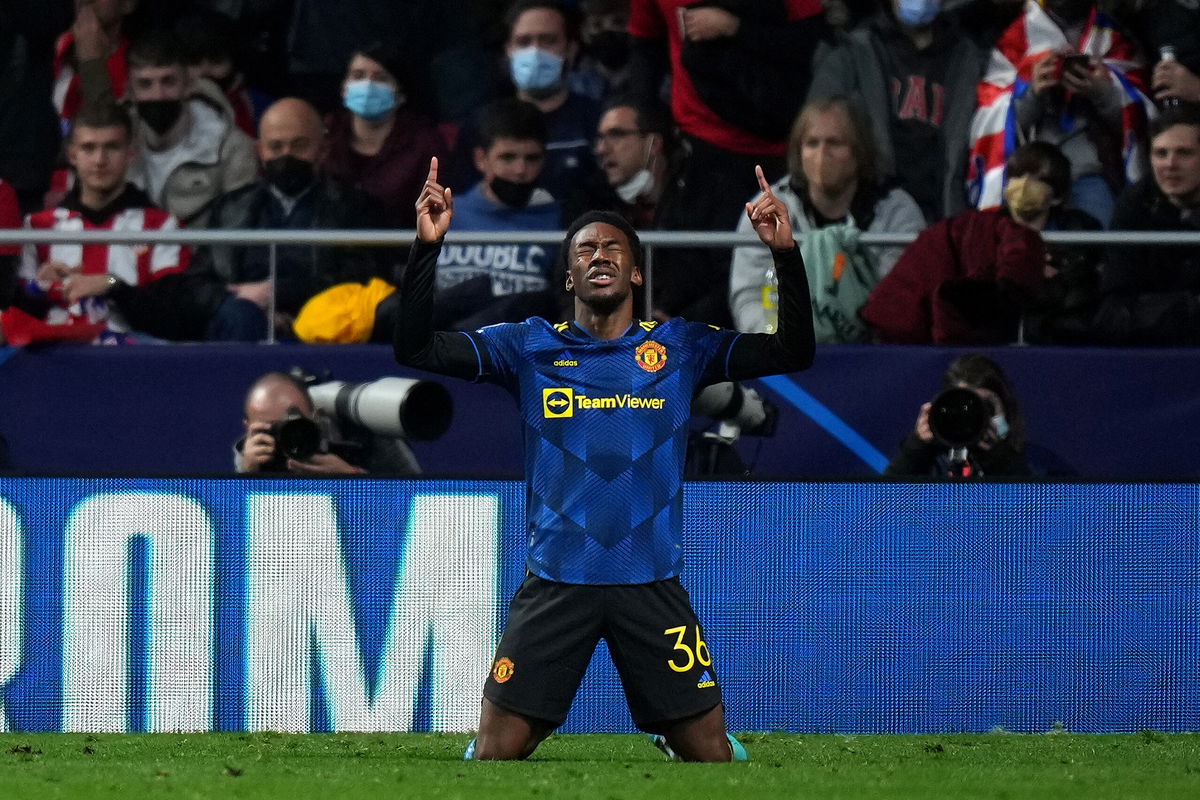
(415, 342)
(792, 347)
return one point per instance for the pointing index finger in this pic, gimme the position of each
(433, 169)
(762, 179)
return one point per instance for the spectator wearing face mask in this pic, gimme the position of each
(604, 68)
(377, 142)
(482, 284)
(189, 148)
(913, 71)
(832, 192)
(210, 44)
(231, 288)
(998, 451)
(540, 52)
(967, 280)
(1064, 73)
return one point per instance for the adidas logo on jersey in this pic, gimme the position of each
(706, 681)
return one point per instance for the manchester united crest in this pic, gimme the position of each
(651, 356)
(503, 670)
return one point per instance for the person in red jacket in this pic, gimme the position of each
(966, 279)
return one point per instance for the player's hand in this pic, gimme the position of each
(53, 272)
(322, 464)
(258, 292)
(769, 216)
(259, 447)
(1044, 74)
(78, 287)
(705, 24)
(923, 431)
(435, 207)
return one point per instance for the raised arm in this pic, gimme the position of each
(792, 347)
(415, 342)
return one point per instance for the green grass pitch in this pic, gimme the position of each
(372, 766)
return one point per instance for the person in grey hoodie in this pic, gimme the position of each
(914, 71)
(832, 189)
(190, 149)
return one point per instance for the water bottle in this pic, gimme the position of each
(1167, 53)
(770, 300)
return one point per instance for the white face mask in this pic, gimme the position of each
(635, 187)
(640, 183)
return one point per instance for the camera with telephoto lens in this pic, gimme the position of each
(407, 408)
(959, 418)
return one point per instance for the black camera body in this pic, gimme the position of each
(296, 437)
(959, 418)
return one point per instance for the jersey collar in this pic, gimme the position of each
(634, 329)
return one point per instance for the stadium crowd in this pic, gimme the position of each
(975, 124)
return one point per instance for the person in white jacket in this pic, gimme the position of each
(832, 186)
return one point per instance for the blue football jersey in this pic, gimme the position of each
(606, 426)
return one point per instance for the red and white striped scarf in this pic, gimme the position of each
(994, 130)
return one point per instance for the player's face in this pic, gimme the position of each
(100, 157)
(601, 271)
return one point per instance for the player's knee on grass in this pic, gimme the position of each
(701, 738)
(507, 736)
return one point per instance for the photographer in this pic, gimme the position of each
(272, 398)
(993, 444)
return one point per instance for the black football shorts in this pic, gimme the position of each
(653, 635)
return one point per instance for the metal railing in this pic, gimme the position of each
(393, 238)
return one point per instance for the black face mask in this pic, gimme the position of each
(511, 193)
(289, 174)
(611, 49)
(160, 115)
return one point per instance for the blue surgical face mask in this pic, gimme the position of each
(918, 13)
(370, 100)
(534, 69)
